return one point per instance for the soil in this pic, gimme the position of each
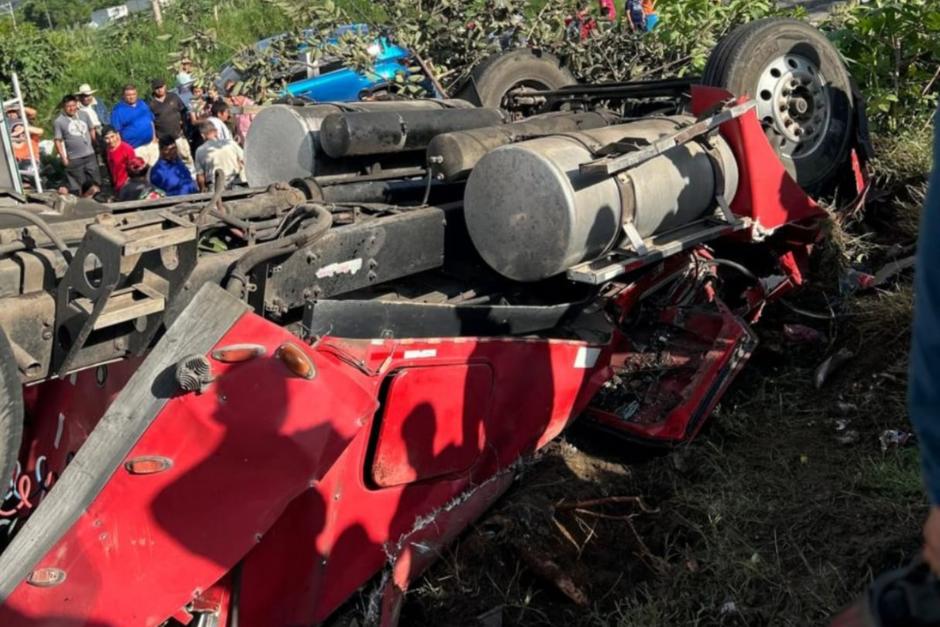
(780, 513)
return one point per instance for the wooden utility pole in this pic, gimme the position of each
(157, 13)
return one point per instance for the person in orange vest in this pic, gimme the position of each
(642, 14)
(21, 147)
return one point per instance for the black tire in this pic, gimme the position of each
(719, 54)
(740, 62)
(11, 412)
(496, 75)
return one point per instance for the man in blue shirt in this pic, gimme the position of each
(170, 173)
(133, 119)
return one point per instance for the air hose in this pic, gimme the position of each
(323, 220)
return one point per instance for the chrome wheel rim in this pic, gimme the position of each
(793, 104)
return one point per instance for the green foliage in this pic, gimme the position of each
(60, 13)
(456, 35)
(30, 53)
(893, 50)
(708, 20)
(898, 74)
(51, 63)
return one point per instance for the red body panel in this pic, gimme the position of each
(766, 192)
(450, 402)
(275, 467)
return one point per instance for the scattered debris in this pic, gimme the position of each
(491, 618)
(682, 459)
(729, 607)
(802, 334)
(550, 571)
(893, 269)
(606, 501)
(895, 438)
(830, 365)
(842, 424)
(846, 408)
(849, 437)
(856, 281)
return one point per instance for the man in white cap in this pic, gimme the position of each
(97, 112)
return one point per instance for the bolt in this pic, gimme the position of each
(436, 159)
(47, 334)
(276, 269)
(307, 293)
(785, 92)
(373, 276)
(258, 537)
(373, 264)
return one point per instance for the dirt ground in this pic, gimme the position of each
(778, 514)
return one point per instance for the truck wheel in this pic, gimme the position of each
(11, 413)
(492, 80)
(802, 89)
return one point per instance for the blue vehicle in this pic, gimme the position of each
(327, 79)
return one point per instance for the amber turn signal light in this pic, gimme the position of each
(296, 360)
(148, 465)
(46, 577)
(236, 353)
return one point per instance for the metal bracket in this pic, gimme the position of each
(635, 239)
(610, 165)
(619, 262)
(112, 298)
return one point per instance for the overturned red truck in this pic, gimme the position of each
(241, 408)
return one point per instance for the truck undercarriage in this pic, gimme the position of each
(240, 408)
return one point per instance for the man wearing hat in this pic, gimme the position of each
(97, 111)
(168, 114)
(184, 81)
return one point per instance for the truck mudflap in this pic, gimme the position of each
(241, 466)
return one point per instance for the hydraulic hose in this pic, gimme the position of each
(42, 225)
(323, 220)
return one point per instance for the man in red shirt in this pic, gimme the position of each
(119, 154)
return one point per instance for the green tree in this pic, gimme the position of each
(61, 13)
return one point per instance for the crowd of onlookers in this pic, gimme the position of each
(172, 143)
